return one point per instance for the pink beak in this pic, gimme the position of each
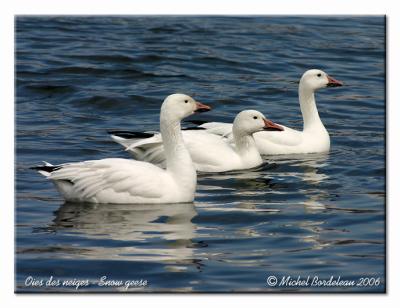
(333, 82)
(269, 125)
(202, 107)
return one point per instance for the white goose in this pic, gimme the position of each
(116, 180)
(313, 139)
(209, 152)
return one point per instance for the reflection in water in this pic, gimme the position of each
(300, 173)
(148, 232)
(309, 169)
(165, 232)
(306, 167)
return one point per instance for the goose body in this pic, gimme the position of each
(314, 137)
(289, 141)
(116, 180)
(209, 152)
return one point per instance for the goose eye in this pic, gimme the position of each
(319, 75)
(186, 101)
(255, 117)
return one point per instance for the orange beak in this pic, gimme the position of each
(271, 126)
(333, 82)
(202, 107)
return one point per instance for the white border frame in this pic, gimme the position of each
(209, 7)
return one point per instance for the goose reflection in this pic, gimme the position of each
(148, 232)
(307, 168)
(275, 180)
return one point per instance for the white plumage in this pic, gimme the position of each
(314, 138)
(116, 180)
(209, 152)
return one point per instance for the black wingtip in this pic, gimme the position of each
(48, 169)
(196, 122)
(129, 134)
(193, 128)
(271, 129)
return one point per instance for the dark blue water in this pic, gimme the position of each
(308, 215)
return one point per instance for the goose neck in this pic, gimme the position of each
(308, 108)
(178, 159)
(246, 146)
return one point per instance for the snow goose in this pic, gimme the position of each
(116, 180)
(209, 152)
(313, 139)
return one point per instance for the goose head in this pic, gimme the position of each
(251, 121)
(316, 79)
(178, 106)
